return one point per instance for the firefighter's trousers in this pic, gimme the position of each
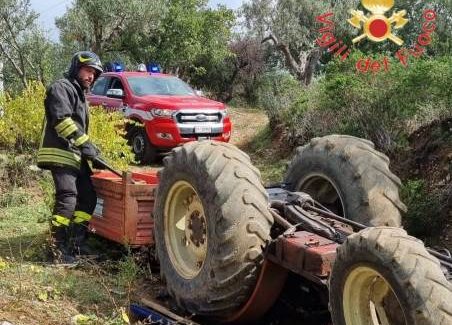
(75, 201)
(75, 198)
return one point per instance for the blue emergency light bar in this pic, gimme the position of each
(114, 67)
(118, 67)
(153, 68)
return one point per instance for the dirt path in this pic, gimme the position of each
(246, 124)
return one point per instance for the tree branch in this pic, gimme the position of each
(304, 68)
(291, 62)
(14, 63)
(16, 45)
(10, 29)
(114, 31)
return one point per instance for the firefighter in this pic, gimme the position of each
(65, 150)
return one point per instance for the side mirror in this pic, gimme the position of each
(199, 93)
(115, 93)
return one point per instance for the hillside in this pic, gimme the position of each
(33, 291)
(426, 167)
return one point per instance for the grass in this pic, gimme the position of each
(34, 291)
(22, 237)
(256, 139)
(268, 157)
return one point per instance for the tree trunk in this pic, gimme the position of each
(303, 69)
(230, 88)
(309, 66)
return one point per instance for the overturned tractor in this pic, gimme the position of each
(227, 245)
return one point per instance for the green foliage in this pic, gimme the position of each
(293, 22)
(185, 37)
(442, 45)
(90, 24)
(383, 107)
(25, 49)
(277, 91)
(48, 191)
(21, 124)
(14, 198)
(190, 32)
(128, 271)
(271, 163)
(22, 238)
(423, 218)
(16, 171)
(107, 132)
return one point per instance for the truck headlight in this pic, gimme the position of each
(159, 112)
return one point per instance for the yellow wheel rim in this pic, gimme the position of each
(185, 229)
(368, 299)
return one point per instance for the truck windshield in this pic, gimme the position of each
(171, 86)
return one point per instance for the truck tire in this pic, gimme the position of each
(349, 177)
(382, 273)
(144, 152)
(211, 224)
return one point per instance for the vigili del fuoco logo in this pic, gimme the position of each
(376, 26)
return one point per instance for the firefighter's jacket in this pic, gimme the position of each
(65, 125)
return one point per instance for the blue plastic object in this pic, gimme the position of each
(114, 67)
(153, 67)
(151, 316)
(118, 67)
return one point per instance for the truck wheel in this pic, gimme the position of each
(349, 177)
(383, 276)
(141, 146)
(211, 224)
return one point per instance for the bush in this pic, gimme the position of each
(276, 93)
(423, 217)
(15, 171)
(107, 131)
(383, 107)
(22, 121)
(23, 115)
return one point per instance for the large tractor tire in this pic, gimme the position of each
(145, 152)
(383, 276)
(349, 177)
(211, 224)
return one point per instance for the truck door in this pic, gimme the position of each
(97, 95)
(114, 103)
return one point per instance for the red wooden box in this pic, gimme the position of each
(124, 208)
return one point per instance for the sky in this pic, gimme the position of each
(50, 9)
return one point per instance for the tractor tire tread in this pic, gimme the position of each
(418, 279)
(242, 226)
(361, 173)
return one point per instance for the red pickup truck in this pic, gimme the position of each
(169, 112)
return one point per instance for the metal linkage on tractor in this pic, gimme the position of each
(307, 234)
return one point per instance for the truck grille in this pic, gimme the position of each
(198, 117)
(202, 123)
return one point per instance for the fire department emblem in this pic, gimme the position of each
(377, 27)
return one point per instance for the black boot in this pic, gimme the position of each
(62, 254)
(78, 239)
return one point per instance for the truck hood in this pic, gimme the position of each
(178, 102)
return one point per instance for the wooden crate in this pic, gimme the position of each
(124, 209)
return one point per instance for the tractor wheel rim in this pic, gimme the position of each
(368, 299)
(323, 190)
(185, 229)
(138, 144)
